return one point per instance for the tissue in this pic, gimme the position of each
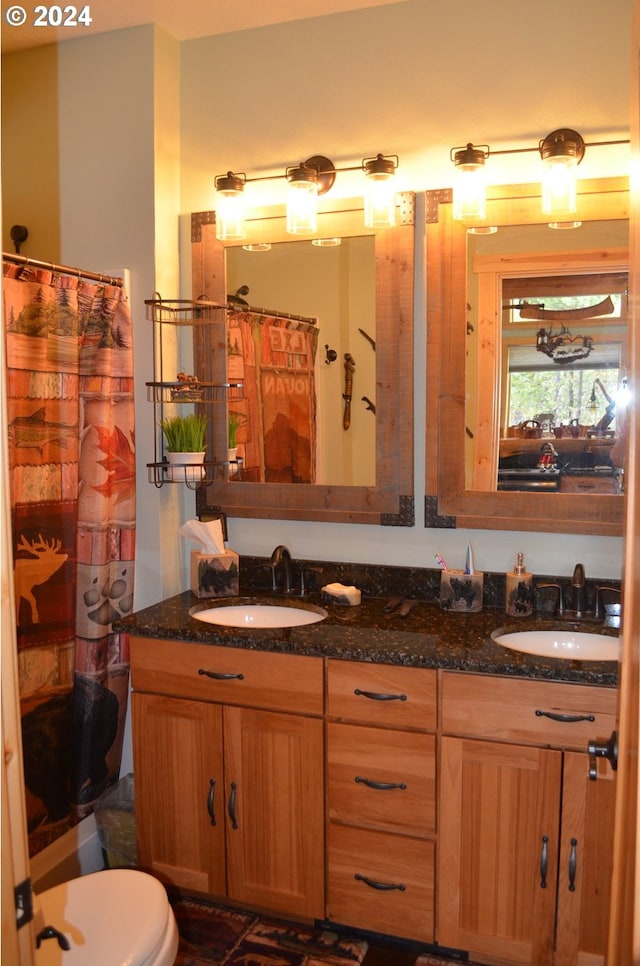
(208, 535)
(215, 570)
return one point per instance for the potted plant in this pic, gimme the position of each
(235, 421)
(186, 441)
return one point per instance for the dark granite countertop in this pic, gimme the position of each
(428, 637)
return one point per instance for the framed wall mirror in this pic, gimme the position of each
(320, 332)
(526, 355)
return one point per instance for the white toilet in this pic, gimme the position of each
(119, 917)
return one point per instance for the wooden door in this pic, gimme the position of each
(624, 931)
(177, 754)
(500, 807)
(274, 790)
(584, 883)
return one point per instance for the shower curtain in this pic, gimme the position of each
(274, 358)
(72, 478)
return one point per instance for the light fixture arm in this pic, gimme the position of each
(324, 168)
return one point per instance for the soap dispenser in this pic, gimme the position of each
(519, 590)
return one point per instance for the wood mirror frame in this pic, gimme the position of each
(448, 503)
(390, 501)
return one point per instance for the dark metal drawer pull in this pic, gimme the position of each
(374, 696)
(380, 786)
(232, 806)
(573, 865)
(566, 718)
(381, 886)
(210, 808)
(220, 675)
(544, 861)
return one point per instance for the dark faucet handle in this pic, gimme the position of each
(605, 597)
(559, 596)
(307, 572)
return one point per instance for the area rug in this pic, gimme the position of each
(214, 934)
(426, 959)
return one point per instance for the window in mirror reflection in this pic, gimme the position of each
(547, 357)
(571, 350)
(562, 351)
(292, 419)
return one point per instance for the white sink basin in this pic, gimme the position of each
(260, 615)
(568, 644)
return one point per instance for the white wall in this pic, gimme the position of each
(415, 80)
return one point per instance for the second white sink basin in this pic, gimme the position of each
(260, 615)
(568, 644)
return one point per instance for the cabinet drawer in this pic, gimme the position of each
(397, 899)
(482, 706)
(383, 694)
(256, 678)
(588, 484)
(382, 779)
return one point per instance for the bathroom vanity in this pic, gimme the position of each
(402, 776)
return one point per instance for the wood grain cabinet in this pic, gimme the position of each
(525, 837)
(381, 768)
(229, 782)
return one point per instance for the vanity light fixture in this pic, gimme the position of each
(379, 194)
(470, 189)
(561, 152)
(230, 206)
(305, 183)
(302, 196)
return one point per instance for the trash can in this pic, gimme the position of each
(116, 824)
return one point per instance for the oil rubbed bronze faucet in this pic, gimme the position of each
(281, 558)
(578, 591)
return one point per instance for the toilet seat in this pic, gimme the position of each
(119, 917)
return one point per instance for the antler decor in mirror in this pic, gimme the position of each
(360, 475)
(513, 438)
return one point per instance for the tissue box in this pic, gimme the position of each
(215, 574)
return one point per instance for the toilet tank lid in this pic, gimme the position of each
(117, 917)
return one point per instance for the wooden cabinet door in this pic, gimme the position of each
(499, 817)
(586, 860)
(177, 753)
(275, 805)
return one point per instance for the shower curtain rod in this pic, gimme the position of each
(258, 310)
(62, 269)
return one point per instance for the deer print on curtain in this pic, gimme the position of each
(72, 475)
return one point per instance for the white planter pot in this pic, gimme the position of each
(185, 467)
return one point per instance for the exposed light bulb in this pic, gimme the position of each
(380, 194)
(302, 201)
(230, 207)
(561, 152)
(470, 188)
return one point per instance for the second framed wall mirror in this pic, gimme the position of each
(527, 332)
(346, 454)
